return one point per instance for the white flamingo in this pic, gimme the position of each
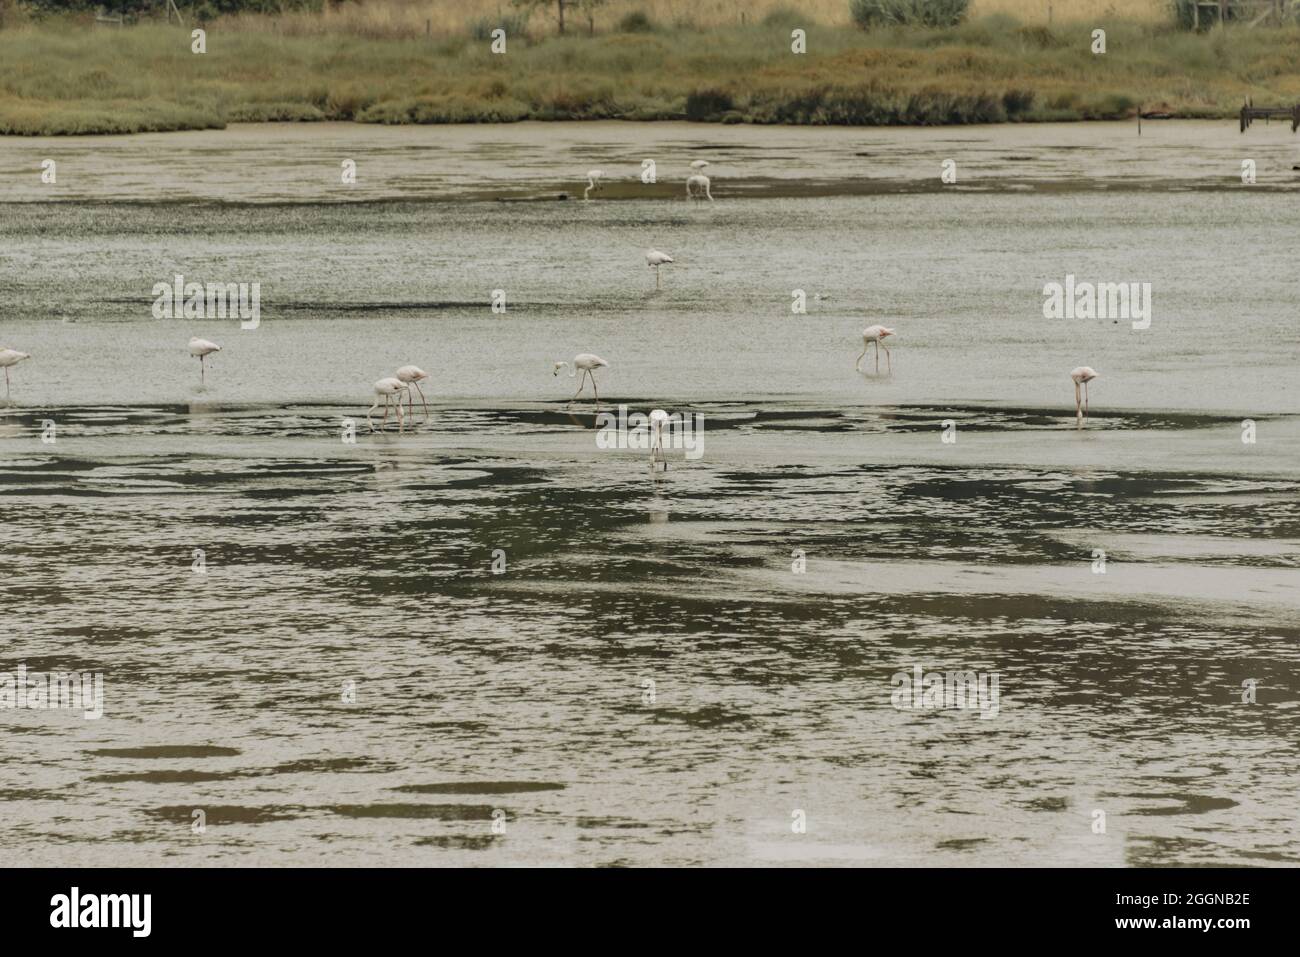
(876, 334)
(588, 364)
(593, 183)
(200, 348)
(658, 418)
(386, 389)
(654, 259)
(697, 187)
(699, 164)
(10, 357)
(1081, 376)
(413, 376)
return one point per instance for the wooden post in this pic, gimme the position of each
(1196, 16)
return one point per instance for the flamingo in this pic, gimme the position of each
(654, 259)
(413, 376)
(877, 335)
(658, 418)
(593, 182)
(387, 388)
(699, 183)
(699, 164)
(200, 348)
(10, 357)
(588, 363)
(1081, 376)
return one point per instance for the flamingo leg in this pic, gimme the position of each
(857, 366)
(889, 361)
(708, 193)
(594, 389)
(401, 419)
(384, 424)
(1085, 400)
(202, 377)
(370, 421)
(656, 277)
(6, 382)
(1078, 408)
(423, 401)
(582, 384)
(877, 357)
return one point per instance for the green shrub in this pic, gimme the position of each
(930, 13)
(707, 104)
(1017, 102)
(636, 22)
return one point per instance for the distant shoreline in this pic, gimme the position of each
(59, 78)
(1226, 117)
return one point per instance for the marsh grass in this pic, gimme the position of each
(62, 78)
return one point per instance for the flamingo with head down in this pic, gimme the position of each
(877, 335)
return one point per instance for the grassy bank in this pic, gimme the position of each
(60, 77)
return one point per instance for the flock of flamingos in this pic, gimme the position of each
(394, 388)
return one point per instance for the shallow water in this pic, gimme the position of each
(302, 162)
(526, 692)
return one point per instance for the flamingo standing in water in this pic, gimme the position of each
(877, 335)
(1081, 376)
(386, 389)
(658, 418)
(201, 348)
(593, 183)
(10, 357)
(588, 363)
(697, 185)
(654, 259)
(413, 376)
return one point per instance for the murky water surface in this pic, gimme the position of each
(649, 680)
